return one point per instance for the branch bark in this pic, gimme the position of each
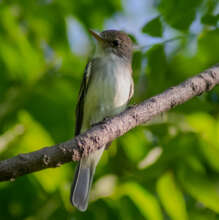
(108, 130)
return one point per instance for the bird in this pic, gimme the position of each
(106, 89)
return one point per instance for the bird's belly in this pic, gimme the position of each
(113, 92)
(107, 95)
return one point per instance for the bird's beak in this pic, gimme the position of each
(97, 36)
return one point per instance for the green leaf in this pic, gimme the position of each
(204, 124)
(130, 140)
(179, 14)
(156, 68)
(171, 197)
(30, 61)
(206, 127)
(201, 187)
(210, 19)
(144, 200)
(153, 27)
(208, 43)
(35, 135)
(157, 59)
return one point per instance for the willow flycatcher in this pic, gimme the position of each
(106, 89)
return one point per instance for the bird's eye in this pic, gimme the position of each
(115, 43)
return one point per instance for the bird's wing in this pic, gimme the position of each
(81, 97)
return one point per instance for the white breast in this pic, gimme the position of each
(109, 90)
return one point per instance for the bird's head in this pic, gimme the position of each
(116, 42)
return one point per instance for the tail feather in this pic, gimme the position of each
(81, 187)
(83, 180)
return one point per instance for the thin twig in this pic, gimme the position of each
(170, 40)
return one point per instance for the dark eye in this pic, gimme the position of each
(115, 43)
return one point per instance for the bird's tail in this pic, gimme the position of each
(83, 179)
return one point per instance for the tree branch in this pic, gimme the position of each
(108, 130)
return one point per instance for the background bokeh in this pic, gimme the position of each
(168, 169)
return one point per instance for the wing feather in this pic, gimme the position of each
(81, 97)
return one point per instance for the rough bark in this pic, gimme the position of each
(109, 129)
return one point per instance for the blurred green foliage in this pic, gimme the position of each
(153, 28)
(168, 169)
